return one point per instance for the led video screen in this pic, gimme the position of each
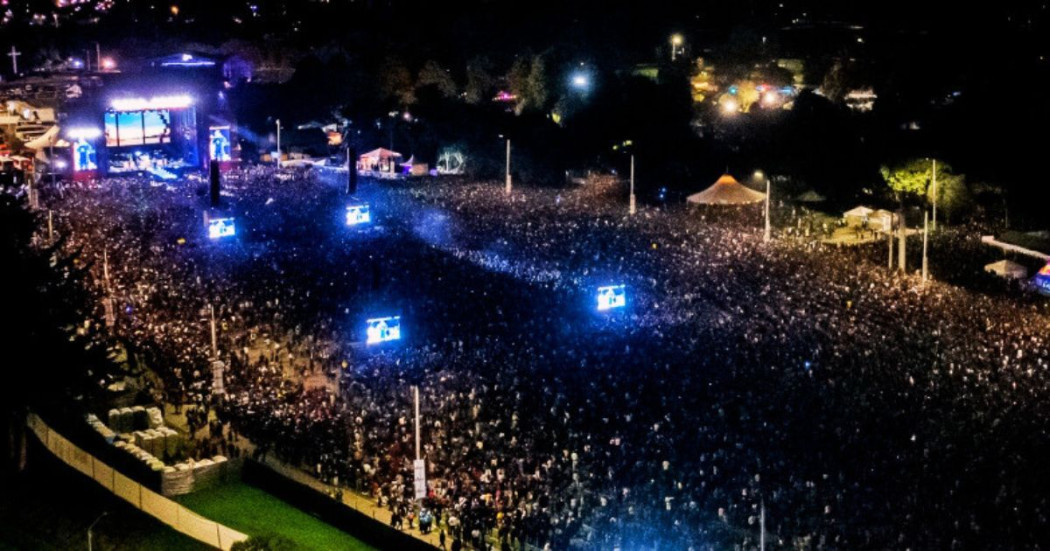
(221, 227)
(84, 156)
(611, 296)
(137, 128)
(383, 330)
(358, 214)
(219, 143)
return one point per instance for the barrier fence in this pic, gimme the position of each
(142, 498)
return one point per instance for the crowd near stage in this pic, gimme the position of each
(587, 379)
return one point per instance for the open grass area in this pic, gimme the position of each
(255, 512)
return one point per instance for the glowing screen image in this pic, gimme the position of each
(219, 143)
(358, 214)
(137, 128)
(221, 227)
(383, 330)
(612, 296)
(84, 156)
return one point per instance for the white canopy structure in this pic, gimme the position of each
(726, 191)
(1007, 269)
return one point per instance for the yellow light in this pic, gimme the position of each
(676, 40)
(174, 10)
(730, 106)
(769, 98)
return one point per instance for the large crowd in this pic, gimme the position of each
(788, 385)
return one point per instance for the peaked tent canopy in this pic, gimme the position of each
(726, 191)
(1007, 269)
(810, 197)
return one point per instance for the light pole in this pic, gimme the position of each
(278, 143)
(632, 209)
(766, 234)
(104, 513)
(508, 187)
(933, 226)
(925, 240)
(676, 41)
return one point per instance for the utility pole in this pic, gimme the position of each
(278, 143)
(925, 240)
(105, 268)
(508, 188)
(98, 57)
(766, 235)
(632, 208)
(52, 162)
(934, 225)
(762, 527)
(419, 468)
(902, 244)
(415, 395)
(889, 242)
(50, 226)
(214, 340)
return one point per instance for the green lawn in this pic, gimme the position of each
(255, 512)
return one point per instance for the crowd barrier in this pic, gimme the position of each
(142, 498)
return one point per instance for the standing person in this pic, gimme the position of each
(456, 545)
(441, 539)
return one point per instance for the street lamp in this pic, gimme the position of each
(676, 42)
(104, 513)
(730, 106)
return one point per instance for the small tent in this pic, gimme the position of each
(380, 160)
(1007, 269)
(857, 216)
(726, 191)
(810, 197)
(882, 220)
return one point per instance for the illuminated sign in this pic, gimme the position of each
(159, 102)
(383, 329)
(221, 227)
(358, 214)
(611, 296)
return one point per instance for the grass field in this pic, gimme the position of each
(255, 512)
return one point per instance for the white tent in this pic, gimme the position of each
(726, 191)
(1007, 269)
(857, 216)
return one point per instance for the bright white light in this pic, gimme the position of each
(60, 164)
(84, 132)
(730, 106)
(383, 330)
(676, 40)
(358, 214)
(159, 102)
(769, 98)
(221, 227)
(581, 81)
(108, 64)
(611, 296)
(186, 57)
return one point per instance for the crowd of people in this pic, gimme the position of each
(790, 389)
